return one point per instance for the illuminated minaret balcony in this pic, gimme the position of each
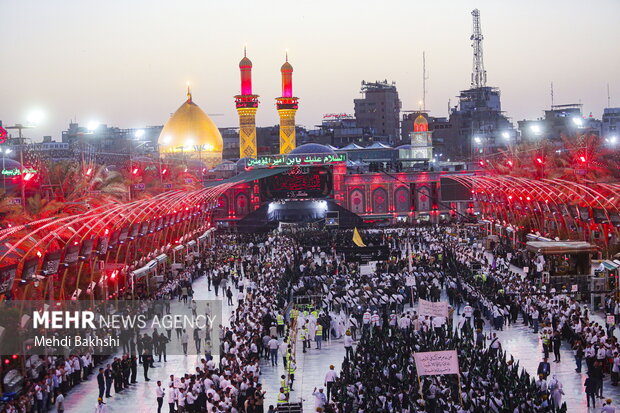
(247, 105)
(287, 107)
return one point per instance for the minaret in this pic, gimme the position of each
(287, 107)
(247, 104)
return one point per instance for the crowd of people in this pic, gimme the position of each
(503, 296)
(259, 267)
(338, 298)
(50, 378)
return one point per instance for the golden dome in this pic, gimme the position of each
(420, 124)
(420, 120)
(190, 130)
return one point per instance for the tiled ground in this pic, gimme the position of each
(312, 366)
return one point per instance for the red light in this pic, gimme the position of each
(539, 160)
(89, 171)
(528, 198)
(135, 171)
(113, 275)
(7, 361)
(164, 171)
(582, 159)
(481, 162)
(107, 231)
(28, 176)
(509, 196)
(204, 170)
(14, 356)
(509, 162)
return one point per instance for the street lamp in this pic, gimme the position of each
(506, 135)
(35, 117)
(139, 133)
(92, 125)
(536, 129)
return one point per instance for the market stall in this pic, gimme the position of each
(566, 264)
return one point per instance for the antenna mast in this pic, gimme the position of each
(424, 79)
(608, 97)
(551, 95)
(478, 75)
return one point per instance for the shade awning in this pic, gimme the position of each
(560, 247)
(249, 176)
(377, 216)
(610, 265)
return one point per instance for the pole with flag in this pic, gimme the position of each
(357, 238)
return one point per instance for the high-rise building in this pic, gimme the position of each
(610, 126)
(339, 130)
(111, 140)
(379, 110)
(477, 124)
(560, 120)
(247, 104)
(287, 107)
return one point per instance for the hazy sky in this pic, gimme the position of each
(125, 62)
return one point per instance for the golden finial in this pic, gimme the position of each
(189, 92)
(245, 50)
(286, 55)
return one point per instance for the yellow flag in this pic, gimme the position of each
(357, 239)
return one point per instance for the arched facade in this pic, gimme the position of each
(379, 201)
(402, 200)
(356, 201)
(242, 206)
(424, 199)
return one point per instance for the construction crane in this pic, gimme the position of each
(478, 75)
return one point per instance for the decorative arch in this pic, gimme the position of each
(379, 201)
(222, 206)
(402, 200)
(242, 205)
(424, 199)
(356, 201)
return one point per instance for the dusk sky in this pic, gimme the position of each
(125, 62)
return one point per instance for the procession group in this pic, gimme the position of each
(295, 290)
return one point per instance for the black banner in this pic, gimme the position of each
(7, 276)
(298, 183)
(365, 254)
(51, 263)
(72, 254)
(87, 248)
(30, 268)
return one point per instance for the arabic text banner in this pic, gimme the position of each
(434, 309)
(433, 363)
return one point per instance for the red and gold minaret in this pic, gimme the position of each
(247, 104)
(287, 107)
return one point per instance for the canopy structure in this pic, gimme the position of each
(107, 241)
(249, 176)
(551, 207)
(560, 247)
